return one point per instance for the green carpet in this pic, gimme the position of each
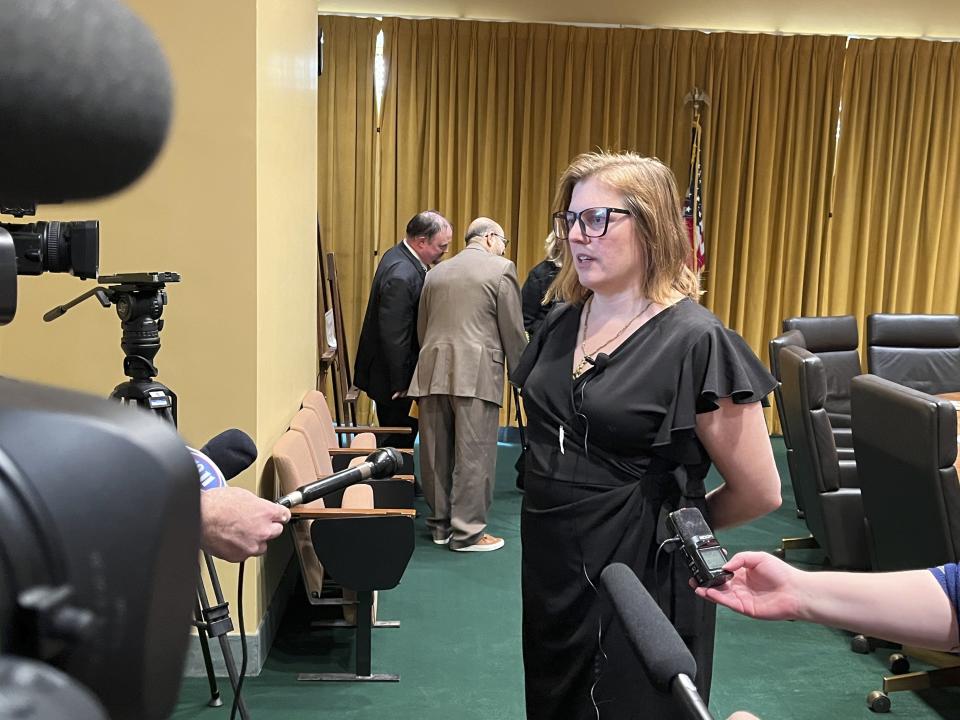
(458, 647)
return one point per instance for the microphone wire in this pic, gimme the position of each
(243, 647)
(656, 566)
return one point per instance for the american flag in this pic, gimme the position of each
(693, 203)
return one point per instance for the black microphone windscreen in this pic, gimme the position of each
(385, 462)
(233, 451)
(601, 361)
(656, 642)
(85, 99)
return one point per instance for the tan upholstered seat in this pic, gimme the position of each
(294, 467)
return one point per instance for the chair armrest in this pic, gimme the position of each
(363, 453)
(352, 394)
(308, 513)
(376, 430)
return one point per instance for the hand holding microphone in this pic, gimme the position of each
(235, 523)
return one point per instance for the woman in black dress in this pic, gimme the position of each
(535, 287)
(631, 391)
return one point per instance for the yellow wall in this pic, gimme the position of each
(231, 205)
(932, 18)
(286, 227)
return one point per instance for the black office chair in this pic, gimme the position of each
(906, 445)
(794, 338)
(827, 484)
(919, 351)
(834, 339)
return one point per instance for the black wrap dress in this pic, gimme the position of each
(609, 455)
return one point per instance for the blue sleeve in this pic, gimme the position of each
(949, 578)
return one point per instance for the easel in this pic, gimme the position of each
(333, 360)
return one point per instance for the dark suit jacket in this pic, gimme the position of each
(388, 348)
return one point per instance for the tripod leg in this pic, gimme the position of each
(215, 700)
(225, 626)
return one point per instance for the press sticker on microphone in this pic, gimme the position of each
(210, 476)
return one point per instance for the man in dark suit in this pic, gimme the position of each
(388, 348)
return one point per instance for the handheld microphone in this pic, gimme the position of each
(665, 659)
(86, 99)
(223, 458)
(379, 464)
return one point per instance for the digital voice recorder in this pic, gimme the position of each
(700, 548)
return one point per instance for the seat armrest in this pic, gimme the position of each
(375, 429)
(309, 513)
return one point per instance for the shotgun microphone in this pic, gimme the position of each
(665, 659)
(379, 464)
(86, 99)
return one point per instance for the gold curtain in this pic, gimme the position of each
(347, 183)
(892, 244)
(769, 153)
(480, 118)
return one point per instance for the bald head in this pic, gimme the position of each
(488, 233)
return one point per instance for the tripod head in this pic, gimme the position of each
(139, 298)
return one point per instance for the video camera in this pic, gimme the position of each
(99, 504)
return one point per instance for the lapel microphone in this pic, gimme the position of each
(599, 362)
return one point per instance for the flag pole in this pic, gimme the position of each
(692, 207)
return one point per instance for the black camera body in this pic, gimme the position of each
(39, 247)
(72, 247)
(700, 548)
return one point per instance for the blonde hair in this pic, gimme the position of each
(650, 194)
(553, 249)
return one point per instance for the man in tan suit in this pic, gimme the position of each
(469, 322)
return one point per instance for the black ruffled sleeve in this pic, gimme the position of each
(719, 364)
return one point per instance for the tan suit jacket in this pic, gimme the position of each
(469, 322)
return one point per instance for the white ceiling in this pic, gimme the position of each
(917, 18)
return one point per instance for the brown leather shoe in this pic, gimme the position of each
(486, 543)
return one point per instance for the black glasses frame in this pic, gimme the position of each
(563, 220)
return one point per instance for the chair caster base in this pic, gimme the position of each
(860, 644)
(878, 702)
(899, 664)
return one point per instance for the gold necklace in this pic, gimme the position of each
(587, 359)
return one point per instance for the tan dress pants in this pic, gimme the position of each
(458, 459)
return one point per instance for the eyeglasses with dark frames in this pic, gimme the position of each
(593, 221)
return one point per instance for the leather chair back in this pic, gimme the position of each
(906, 445)
(834, 339)
(919, 351)
(796, 339)
(827, 486)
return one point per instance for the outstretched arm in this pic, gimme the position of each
(907, 607)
